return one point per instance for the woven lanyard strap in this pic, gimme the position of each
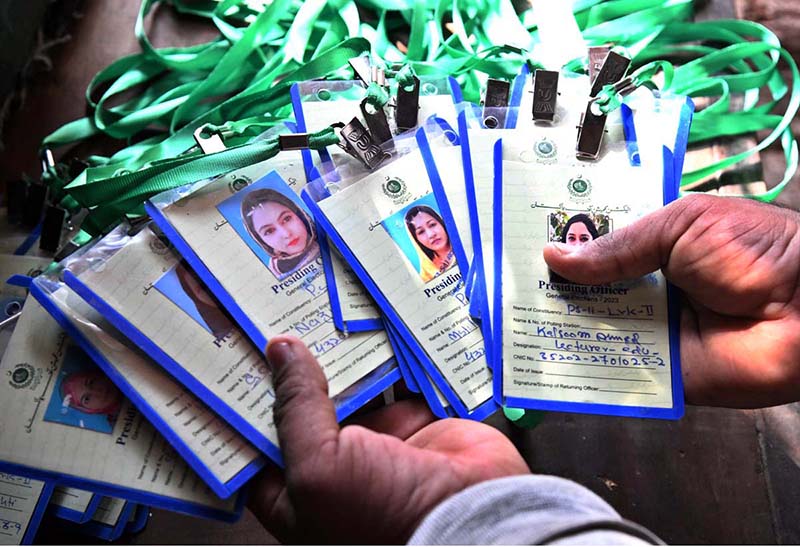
(745, 64)
(126, 192)
(239, 82)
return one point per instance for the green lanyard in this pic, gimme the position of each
(240, 80)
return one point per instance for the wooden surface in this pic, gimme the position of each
(698, 480)
(716, 476)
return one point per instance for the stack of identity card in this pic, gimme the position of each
(412, 252)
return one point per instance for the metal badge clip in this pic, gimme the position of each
(495, 103)
(376, 122)
(611, 72)
(545, 94)
(592, 125)
(356, 141)
(361, 68)
(597, 56)
(367, 72)
(209, 142)
(407, 109)
(379, 76)
(47, 159)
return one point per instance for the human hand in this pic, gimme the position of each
(738, 264)
(368, 483)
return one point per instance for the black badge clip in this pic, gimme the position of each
(545, 94)
(37, 193)
(495, 103)
(407, 108)
(52, 228)
(376, 122)
(356, 141)
(34, 204)
(592, 126)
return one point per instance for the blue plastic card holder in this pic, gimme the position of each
(329, 264)
(110, 532)
(323, 103)
(72, 515)
(104, 531)
(623, 353)
(367, 316)
(434, 397)
(535, 143)
(361, 314)
(227, 238)
(395, 189)
(38, 513)
(138, 520)
(139, 496)
(43, 395)
(469, 113)
(13, 265)
(571, 100)
(402, 359)
(23, 504)
(137, 259)
(82, 323)
(476, 290)
(456, 198)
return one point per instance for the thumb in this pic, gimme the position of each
(638, 249)
(304, 414)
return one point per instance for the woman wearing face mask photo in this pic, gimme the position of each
(282, 229)
(428, 232)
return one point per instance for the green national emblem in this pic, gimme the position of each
(21, 376)
(158, 247)
(579, 187)
(545, 149)
(238, 183)
(394, 188)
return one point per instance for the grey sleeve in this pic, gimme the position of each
(528, 510)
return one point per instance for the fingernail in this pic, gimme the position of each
(279, 353)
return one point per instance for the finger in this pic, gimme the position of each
(304, 414)
(401, 419)
(630, 252)
(693, 357)
(269, 502)
(719, 367)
